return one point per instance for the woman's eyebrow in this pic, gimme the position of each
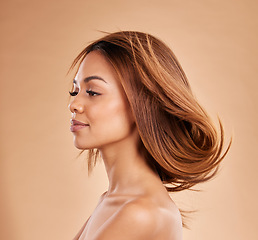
(87, 79)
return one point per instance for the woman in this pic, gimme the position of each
(133, 106)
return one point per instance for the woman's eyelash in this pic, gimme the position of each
(73, 93)
(92, 93)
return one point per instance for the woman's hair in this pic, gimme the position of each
(177, 137)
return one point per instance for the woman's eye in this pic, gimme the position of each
(73, 93)
(92, 93)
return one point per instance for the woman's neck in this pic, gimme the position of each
(126, 168)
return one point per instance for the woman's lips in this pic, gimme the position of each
(77, 125)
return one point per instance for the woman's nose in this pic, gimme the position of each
(75, 106)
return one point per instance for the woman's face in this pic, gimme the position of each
(100, 105)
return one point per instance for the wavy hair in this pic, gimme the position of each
(177, 137)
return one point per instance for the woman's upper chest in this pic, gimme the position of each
(109, 207)
(102, 213)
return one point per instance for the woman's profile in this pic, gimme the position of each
(133, 107)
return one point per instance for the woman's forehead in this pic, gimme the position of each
(95, 64)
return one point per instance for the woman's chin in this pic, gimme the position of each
(80, 146)
(83, 146)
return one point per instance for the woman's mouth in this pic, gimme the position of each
(77, 125)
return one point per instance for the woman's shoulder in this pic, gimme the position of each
(141, 217)
(162, 207)
(163, 215)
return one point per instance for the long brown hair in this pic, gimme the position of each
(177, 137)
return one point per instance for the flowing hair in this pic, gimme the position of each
(177, 137)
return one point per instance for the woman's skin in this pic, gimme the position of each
(136, 204)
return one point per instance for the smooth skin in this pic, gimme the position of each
(136, 205)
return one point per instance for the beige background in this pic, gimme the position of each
(45, 192)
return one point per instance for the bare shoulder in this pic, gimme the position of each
(141, 218)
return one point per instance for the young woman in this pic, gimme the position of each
(133, 107)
